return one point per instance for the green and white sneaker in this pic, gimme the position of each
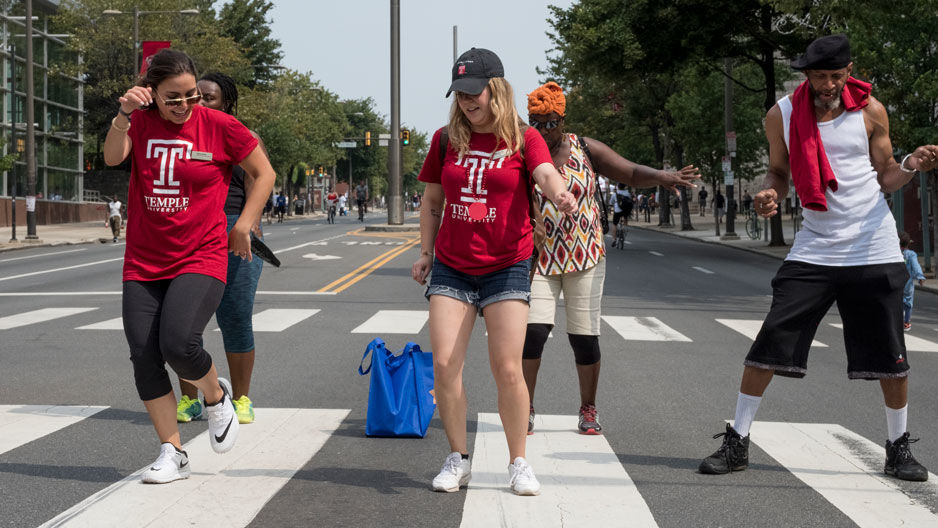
(188, 409)
(244, 409)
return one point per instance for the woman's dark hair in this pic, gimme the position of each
(904, 239)
(165, 64)
(229, 92)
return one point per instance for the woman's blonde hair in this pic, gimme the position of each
(507, 123)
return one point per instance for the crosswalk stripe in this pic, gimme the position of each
(657, 254)
(111, 324)
(394, 322)
(846, 469)
(279, 319)
(750, 328)
(643, 329)
(582, 480)
(912, 343)
(38, 316)
(239, 483)
(21, 424)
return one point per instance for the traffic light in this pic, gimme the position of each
(405, 136)
(321, 172)
(368, 138)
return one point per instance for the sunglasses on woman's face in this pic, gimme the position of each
(191, 100)
(548, 125)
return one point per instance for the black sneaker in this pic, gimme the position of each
(733, 455)
(531, 421)
(589, 420)
(900, 463)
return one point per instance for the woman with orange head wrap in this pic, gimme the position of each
(573, 260)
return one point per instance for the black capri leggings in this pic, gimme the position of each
(163, 322)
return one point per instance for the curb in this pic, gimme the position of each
(30, 245)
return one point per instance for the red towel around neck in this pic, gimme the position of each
(810, 169)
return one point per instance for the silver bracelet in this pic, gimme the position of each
(902, 165)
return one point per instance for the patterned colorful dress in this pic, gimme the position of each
(574, 241)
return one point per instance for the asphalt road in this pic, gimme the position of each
(660, 402)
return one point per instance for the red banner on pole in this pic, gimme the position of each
(149, 48)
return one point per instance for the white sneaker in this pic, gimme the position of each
(222, 421)
(521, 478)
(455, 474)
(171, 465)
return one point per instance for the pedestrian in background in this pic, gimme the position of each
(114, 219)
(479, 249)
(235, 311)
(573, 261)
(719, 206)
(832, 138)
(175, 260)
(915, 274)
(702, 200)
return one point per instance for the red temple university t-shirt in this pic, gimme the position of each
(176, 206)
(486, 225)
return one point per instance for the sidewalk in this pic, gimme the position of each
(704, 231)
(81, 233)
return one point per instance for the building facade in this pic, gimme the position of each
(58, 107)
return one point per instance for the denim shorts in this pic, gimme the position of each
(236, 309)
(512, 282)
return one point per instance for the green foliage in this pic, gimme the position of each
(105, 43)
(245, 21)
(298, 120)
(6, 162)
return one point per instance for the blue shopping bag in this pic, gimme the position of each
(400, 401)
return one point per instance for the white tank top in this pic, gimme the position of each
(857, 229)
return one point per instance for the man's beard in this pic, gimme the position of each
(833, 104)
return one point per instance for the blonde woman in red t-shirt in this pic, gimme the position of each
(479, 250)
(175, 262)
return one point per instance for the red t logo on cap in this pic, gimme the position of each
(462, 69)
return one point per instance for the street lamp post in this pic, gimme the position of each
(136, 13)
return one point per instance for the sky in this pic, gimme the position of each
(346, 46)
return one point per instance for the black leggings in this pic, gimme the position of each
(163, 322)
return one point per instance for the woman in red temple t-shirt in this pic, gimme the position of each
(176, 260)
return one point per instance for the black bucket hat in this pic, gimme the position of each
(473, 69)
(826, 53)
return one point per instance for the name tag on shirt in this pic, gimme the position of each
(203, 156)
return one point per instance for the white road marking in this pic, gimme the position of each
(111, 324)
(394, 322)
(643, 329)
(912, 343)
(39, 316)
(750, 328)
(267, 455)
(655, 253)
(627, 242)
(43, 255)
(76, 266)
(320, 242)
(582, 481)
(702, 270)
(21, 424)
(847, 470)
(279, 319)
(316, 256)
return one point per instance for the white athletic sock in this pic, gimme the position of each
(896, 422)
(746, 407)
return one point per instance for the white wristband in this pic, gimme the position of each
(902, 165)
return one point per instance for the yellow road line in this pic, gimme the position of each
(367, 268)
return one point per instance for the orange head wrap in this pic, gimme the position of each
(547, 98)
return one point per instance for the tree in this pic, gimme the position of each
(106, 47)
(245, 21)
(299, 121)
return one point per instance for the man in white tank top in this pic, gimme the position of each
(847, 251)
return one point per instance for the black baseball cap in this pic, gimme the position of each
(826, 53)
(473, 69)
